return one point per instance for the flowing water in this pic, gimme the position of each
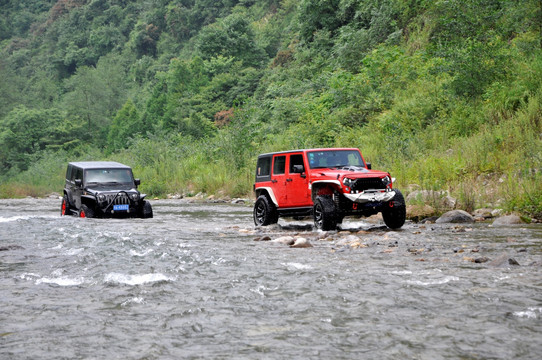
(192, 283)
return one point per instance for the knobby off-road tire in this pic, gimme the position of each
(146, 210)
(85, 212)
(265, 212)
(395, 216)
(325, 214)
(65, 206)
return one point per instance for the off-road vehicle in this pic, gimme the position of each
(103, 189)
(328, 184)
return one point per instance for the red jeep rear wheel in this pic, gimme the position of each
(265, 212)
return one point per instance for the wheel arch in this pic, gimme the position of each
(324, 187)
(268, 192)
(88, 201)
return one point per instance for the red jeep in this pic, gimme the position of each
(327, 183)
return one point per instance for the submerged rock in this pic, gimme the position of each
(286, 240)
(503, 260)
(455, 216)
(10, 247)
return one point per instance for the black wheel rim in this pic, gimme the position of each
(318, 216)
(260, 212)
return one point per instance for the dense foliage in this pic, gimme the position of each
(444, 94)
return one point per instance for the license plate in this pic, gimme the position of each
(121, 207)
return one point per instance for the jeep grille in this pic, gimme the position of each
(367, 184)
(122, 199)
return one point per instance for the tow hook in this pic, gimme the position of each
(391, 203)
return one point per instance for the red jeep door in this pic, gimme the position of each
(297, 188)
(278, 179)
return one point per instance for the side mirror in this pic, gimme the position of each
(137, 182)
(78, 183)
(299, 169)
(368, 166)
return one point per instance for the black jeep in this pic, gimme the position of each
(103, 189)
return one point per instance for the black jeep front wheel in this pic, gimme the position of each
(325, 217)
(265, 212)
(394, 212)
(85, 212)
(146, 210)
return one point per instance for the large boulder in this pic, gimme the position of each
(455, 216)
(508, 220)
(440, 199)
(419, 212)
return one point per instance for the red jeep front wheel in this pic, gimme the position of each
(394, 212)
(86, 212)
(325, 217)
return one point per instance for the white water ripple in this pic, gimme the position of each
(136, 279)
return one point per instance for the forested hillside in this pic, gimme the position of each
(446, 95)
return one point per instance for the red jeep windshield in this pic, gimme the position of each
(334, 159)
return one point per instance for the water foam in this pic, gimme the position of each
(530, 313)
(136, 279)
(441, 281)
(61, 281)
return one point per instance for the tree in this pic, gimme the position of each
(126, 124)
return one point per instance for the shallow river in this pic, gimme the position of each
(192, 283)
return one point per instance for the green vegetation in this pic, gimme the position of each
(443, 94)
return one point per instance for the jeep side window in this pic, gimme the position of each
(69, 172)
(77, 174)
(279, 165)
(263, 169)
(296, 164)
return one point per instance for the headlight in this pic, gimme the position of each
(347, 182)
(134, 196)
(386, 181)
(101, 197)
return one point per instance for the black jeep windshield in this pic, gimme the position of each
(109, 176)
(324, 159)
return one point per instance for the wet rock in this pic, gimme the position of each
(10, 247)
(419, 212)
(429, 220)
(301, 242)
(503, 260)
(286, 240)
(455, 216)
(239, 201)
(263, 238)
(348, 240)
(497, 212)
(438, 198)
(513, 261)
(508, 220)
(484, 213)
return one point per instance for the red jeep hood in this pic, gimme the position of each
(339, 174)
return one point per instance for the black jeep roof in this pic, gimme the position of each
(99, 165)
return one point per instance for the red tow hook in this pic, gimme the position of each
(391, 203)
